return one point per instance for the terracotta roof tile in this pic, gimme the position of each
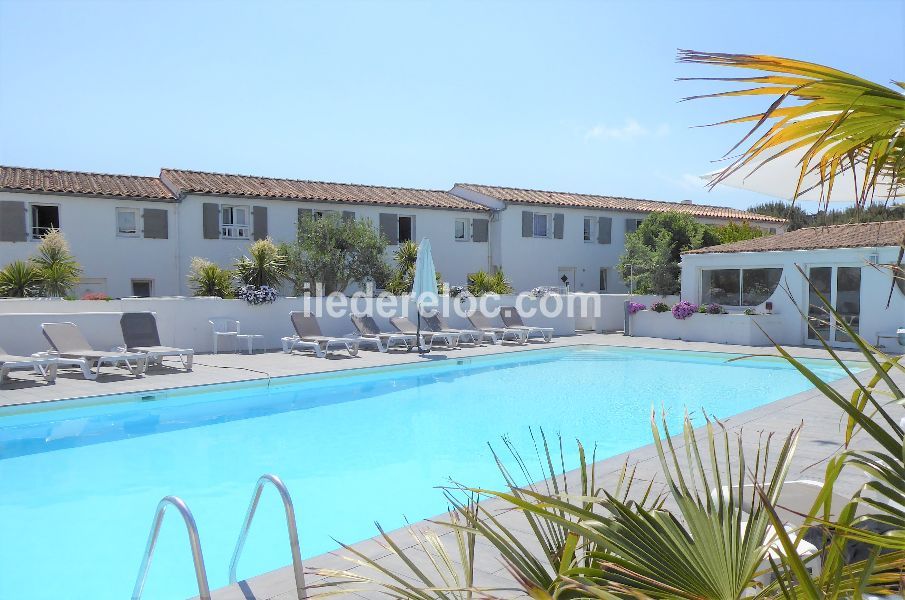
(548, 198)
(857, 235)
(197, 182)
(91, 184)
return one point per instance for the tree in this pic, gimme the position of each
(841, 122)
(795, 215)
(481, 283)
(650, 262)
(58, 271)
(265, 265)
(736, 232)
(19, 279)
(210, 279)
(403, 277)
(336, 253)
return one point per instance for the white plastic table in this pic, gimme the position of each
(249, 340)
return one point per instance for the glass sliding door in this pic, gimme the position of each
(848, 301)
(818, 316)
(841, 286)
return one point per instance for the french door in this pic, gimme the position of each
(841, 286)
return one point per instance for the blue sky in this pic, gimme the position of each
(573, 96)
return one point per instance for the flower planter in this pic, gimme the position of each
(700, 327)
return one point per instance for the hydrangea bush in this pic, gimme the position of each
(257, 295)
(684, 309)
(634, 307)
(714, 309)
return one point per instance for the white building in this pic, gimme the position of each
(844, 262)
(136, 236)
(538, 237)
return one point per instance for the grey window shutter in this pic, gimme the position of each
(479, 230)
(156, 225)
(211, 220)
(348, 215)
(259, 222)
(527, 223)
(389, 227)
(558, 222)
(12, 221)
(604, 230)
(631, 225)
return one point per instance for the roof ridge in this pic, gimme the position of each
(152, 177)
(365, 185)
(587, 195)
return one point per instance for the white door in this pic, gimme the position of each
(841, 286)
(567, 278)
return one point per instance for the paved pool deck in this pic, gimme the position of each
(822, 429)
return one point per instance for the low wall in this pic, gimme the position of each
(183, 322)
(611, 316)
(723, 329)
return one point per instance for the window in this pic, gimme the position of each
(461, 233)
(44, 217)
(587, 233)
(739, 287)
(127, 222)
(406, 229)
(234, 221)
(772, 230)
(320, 214)
(541, 225)
(603, 279)
(141, 288)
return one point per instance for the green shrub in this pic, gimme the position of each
(19, 279)
(58, 271)
(210, 279)
(481, 283)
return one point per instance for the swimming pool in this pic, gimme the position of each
(79, 481)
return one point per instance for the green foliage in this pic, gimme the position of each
(265, 265)
(58, 271)
(795, 215)
(19, 279)
(482, 283)
(651, 258)
(799, 218)
(335, 252)
(403, 276)
(210, 279)
(736, 232)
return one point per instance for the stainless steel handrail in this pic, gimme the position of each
(204, 592)
(290, 523)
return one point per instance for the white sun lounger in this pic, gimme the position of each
(513, 320)
(369, 332)
(45, 365)
(67, 340)
(309, 337)
(480, 322)
(404, 325)
(140, 335)
(438, 324)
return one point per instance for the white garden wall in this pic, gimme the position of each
(184, 321)
(722, 329)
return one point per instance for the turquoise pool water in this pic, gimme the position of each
(79, 482)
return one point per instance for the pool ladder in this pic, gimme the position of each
(204, 592)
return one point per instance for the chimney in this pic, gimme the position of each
(686, 202)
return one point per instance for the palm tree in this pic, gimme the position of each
(210, 279)
(56, 267)
(841, 122)
(265, 265)
(19, 279)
